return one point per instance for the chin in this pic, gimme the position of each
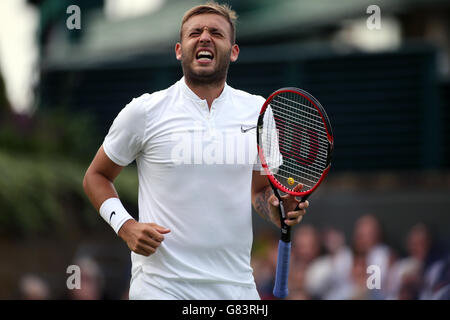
(199, 69)
(204, 74)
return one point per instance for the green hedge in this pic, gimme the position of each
(43, 159)
(52, 132)
(44, 195)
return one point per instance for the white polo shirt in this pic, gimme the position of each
(195, 172)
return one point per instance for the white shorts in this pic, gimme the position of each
(151, 287)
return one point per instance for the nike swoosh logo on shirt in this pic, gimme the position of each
(112, 213)
(244, 130)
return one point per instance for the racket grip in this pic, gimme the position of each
(280, 289)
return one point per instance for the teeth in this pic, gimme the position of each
(206, 54)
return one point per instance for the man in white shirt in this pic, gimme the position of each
(198, 173)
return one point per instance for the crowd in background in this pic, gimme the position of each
(91, 284)
(323, 266)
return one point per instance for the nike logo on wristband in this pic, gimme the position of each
(112, 213)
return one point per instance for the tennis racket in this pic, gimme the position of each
(295, 143)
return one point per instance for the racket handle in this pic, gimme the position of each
(280, 289)
(302, 200)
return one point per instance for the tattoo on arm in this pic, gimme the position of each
(260, 202)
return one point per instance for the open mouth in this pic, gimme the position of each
(204, 56)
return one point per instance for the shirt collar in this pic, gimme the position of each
(191, 94)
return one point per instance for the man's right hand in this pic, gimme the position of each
(142, 238)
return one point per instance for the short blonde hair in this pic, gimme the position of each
(223, 10)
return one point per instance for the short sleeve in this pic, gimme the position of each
(126, 135)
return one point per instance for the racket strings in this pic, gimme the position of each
(314, 146)
(314, 120)
(294, 141)
(287, 116)
(309, 121)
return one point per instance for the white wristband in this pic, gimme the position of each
(114, 213)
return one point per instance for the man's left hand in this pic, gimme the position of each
(289, 203)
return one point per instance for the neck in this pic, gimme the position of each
(206, 91)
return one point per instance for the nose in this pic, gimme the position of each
(205, 36)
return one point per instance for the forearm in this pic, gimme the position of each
(98, 188)
(260, 202)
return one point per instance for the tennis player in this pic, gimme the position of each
(198, 172)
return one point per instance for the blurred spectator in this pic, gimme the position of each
(353, 287)
(91, 281)
(406, 275)
(264, 266)
(358, 284)
(437, 281)
(297, 282)
(306, 245)
(33, 287)
(306, 248)
(263, 274)
(328, 273)
(324, 267)
(367, 242)
(411, 283)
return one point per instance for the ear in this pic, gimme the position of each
(178, 51)
(234, 53)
